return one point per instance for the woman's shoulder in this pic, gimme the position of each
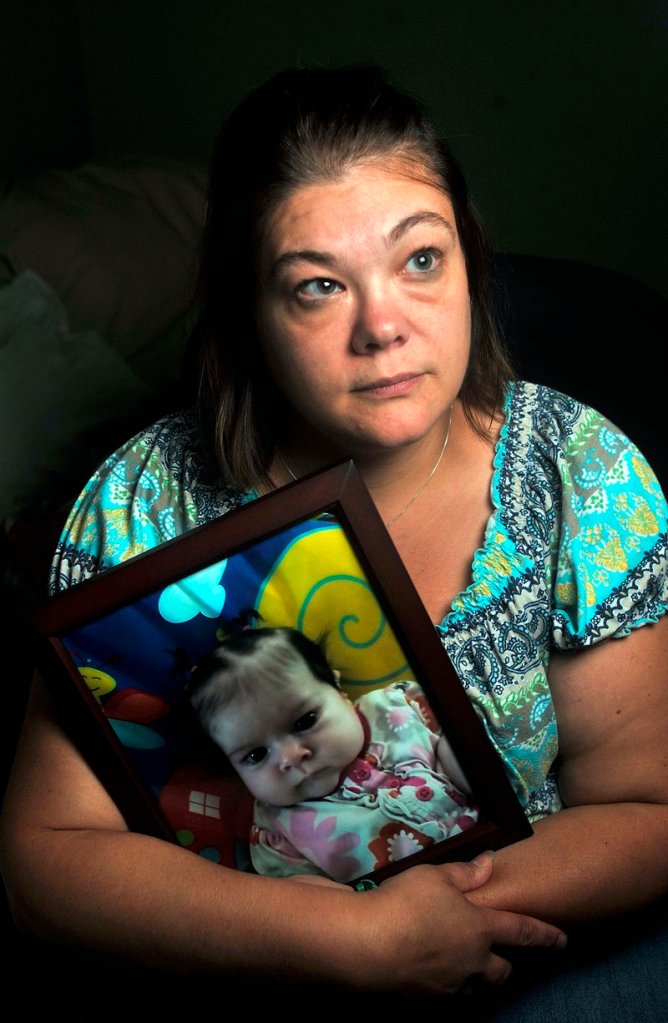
(574, 489)
(554, 441)
(157, 485)
(536, 414)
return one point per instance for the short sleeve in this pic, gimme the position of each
(154, 488)
(611, 572)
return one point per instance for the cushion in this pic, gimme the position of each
(117, 241)
(63, 394)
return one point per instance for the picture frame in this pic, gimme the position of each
(117, 650)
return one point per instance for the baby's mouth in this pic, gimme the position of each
(318, 778)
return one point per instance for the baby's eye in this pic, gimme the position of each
(317, 288)
(306, 721)
(255, 756)
(422, 261)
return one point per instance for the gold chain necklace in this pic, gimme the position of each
(420, 488)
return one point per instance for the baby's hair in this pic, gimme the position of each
(253, 658)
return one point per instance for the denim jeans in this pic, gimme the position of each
(611, 972)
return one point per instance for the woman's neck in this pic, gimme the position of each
(395, 477)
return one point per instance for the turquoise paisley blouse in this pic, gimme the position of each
(575, 552)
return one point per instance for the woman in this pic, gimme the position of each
(345, 310)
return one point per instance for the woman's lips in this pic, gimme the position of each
(390, 387)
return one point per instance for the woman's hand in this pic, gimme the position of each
(428, 940)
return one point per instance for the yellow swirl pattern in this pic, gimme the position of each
(318, 586)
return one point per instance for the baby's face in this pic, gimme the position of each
(292, 744)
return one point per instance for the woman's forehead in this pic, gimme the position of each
(367, 198)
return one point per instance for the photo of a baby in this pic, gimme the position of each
(341, 787)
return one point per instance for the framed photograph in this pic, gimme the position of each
(119, 652)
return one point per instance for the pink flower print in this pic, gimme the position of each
(424, 793)
(316, 840)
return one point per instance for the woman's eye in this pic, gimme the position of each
(306, 721)
(255, 756)
(422, 261)
(318, 287)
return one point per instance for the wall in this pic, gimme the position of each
(43, 104)
(558, 112)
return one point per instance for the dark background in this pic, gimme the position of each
(557, 112)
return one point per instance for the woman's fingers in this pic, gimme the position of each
(466, 876)
(523, 931)
(497, 970)
(506, 928)
(427, 936)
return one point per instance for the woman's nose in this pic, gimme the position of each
(380, 321)
(293, 753)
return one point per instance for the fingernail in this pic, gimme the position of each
(478, 859)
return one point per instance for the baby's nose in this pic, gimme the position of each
(293, 753)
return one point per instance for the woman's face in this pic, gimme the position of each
(363, 308)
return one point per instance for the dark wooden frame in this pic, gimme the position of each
(338, 491)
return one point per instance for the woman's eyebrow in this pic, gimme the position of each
(303, 256)
(329, 260)
(422, 217)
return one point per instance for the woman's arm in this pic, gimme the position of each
(609, 850)
(74, 874)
